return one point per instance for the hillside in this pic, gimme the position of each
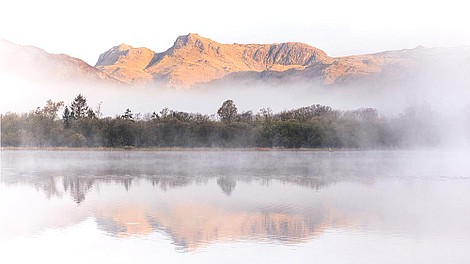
(35, 64)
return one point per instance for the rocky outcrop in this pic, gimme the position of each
(194, 59)
(126, 63)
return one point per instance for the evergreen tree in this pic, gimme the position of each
(79, 107)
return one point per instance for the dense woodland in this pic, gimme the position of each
(315, 126)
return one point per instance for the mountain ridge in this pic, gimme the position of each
(193, 60)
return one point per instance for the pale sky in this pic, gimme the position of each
(86, 28)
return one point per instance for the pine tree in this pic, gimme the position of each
(79, 107)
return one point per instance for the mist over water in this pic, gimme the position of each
(203, 206)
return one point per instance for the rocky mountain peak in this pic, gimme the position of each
(124, 54)
(191, 40)
(126, 63)
(194, 59)
(124, 46)
(112, 55)
(294, 53)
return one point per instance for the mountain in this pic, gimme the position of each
(194, 59)
(35, 64)
(126, 63)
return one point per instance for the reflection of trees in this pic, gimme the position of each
(78, 187)
(127, 182)
(165, 183)
(49, 187)
(227, 184)
(168, 170)
(185, 224)
(315, 183)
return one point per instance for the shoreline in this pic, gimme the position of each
(156, 149)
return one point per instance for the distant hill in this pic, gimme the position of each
(37, 65)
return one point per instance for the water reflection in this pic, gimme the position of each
(199, 198)
(78, 171)
(227, 184)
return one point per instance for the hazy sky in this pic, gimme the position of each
(87, 28)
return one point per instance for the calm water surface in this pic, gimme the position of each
(234, 207)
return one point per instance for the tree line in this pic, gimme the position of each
(314, 126)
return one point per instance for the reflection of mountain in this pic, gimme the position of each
(124, 221)
(192, 221)
(194, 198)
(262, 206)
(191, 224)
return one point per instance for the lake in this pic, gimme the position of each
(235, 206)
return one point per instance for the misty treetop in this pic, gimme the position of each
(315, 126)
